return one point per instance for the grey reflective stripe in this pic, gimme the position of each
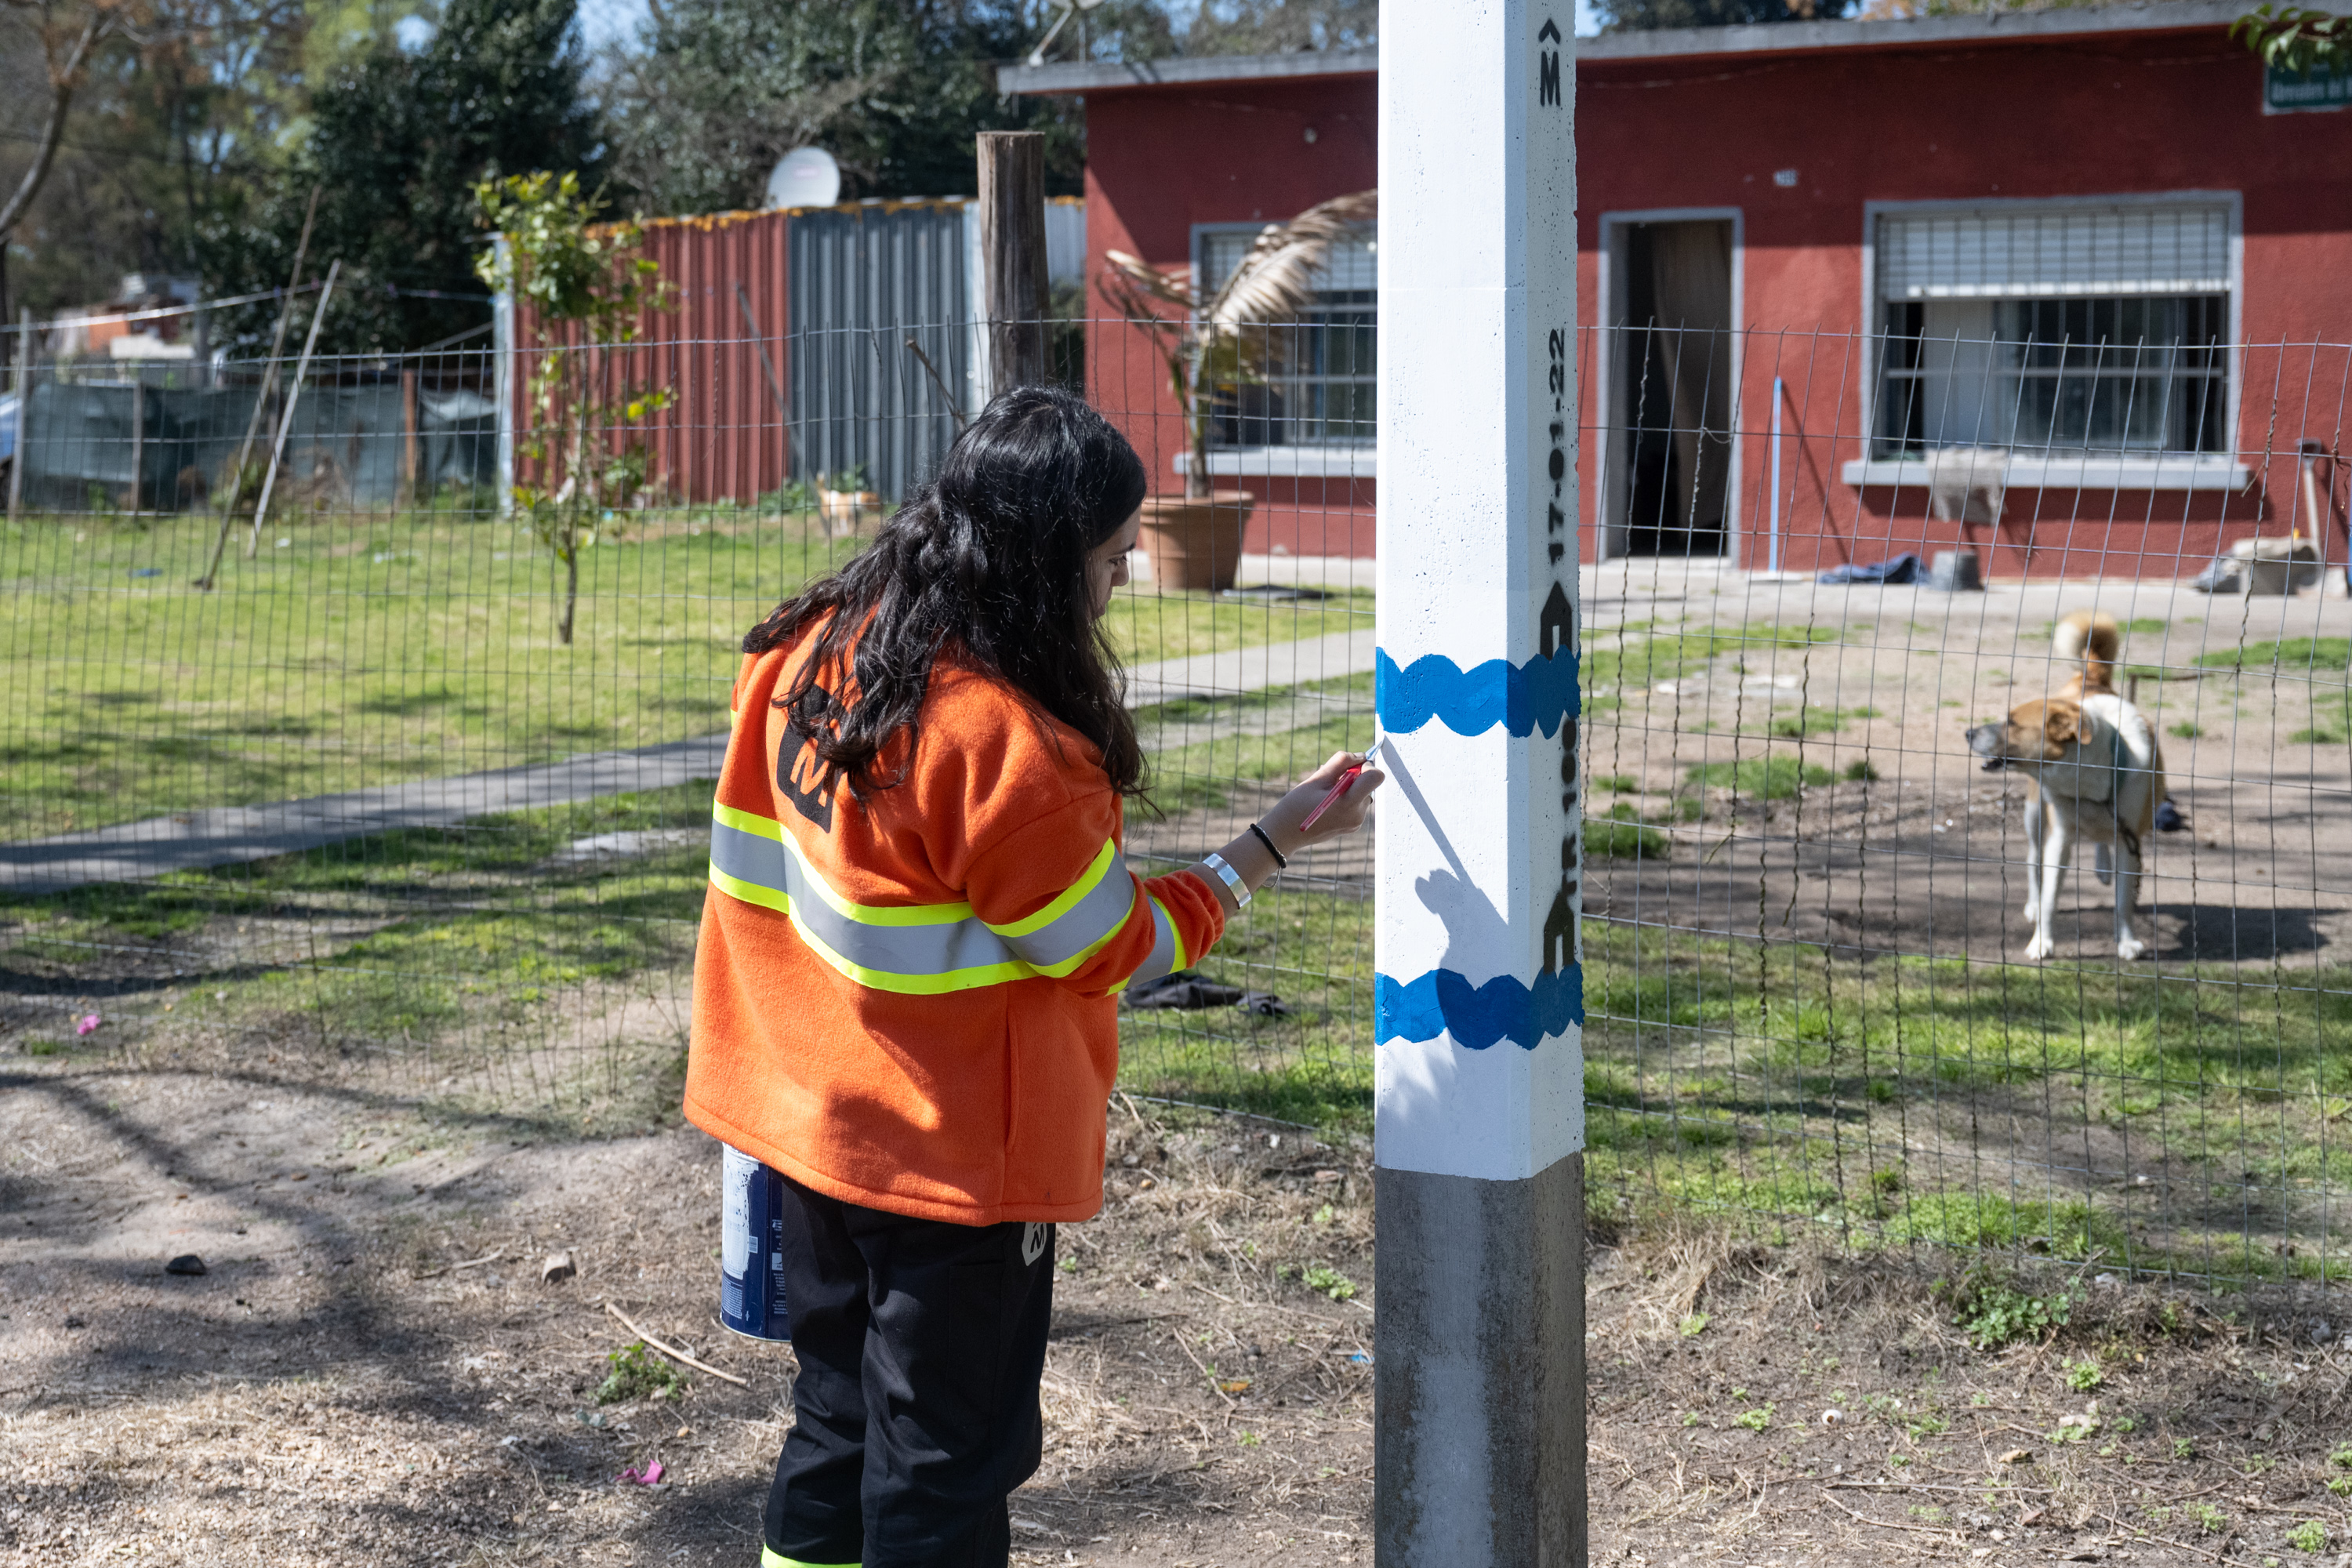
(1086, 925)
(1163, 947)
(931, 956)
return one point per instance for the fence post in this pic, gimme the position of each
(24, 410)
(138, 441)
(1013, 255)
(409, 438)
(1477, 996)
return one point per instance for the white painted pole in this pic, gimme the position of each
(1479, 1116)
(1773, 565)
(502, 370)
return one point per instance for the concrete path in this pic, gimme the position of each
(227, 835)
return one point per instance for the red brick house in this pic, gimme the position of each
(2088, 256)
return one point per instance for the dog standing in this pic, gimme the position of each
(2098, 775)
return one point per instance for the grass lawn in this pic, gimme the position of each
(1923, 1100)
(372, 651)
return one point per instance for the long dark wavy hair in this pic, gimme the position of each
(986, 564)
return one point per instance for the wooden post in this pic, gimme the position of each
(409, 438)
(138, 442)
(1013, 256)
(293, 399)
(24, 410)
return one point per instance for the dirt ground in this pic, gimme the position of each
(1928, 856)
(371, 1370)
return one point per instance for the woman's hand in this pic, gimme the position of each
(1344, 816)
(1250, 857)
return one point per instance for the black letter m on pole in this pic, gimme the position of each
(1548, 67)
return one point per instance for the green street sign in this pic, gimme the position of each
(2293, 92)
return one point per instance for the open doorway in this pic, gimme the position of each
(1672, 415)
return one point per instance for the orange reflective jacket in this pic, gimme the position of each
(911, 1002)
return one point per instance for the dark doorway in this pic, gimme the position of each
(1675, 407)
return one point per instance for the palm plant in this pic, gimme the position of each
(1219, 342)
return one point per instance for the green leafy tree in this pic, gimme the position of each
(397, 142)
(711, 93)
(1639, 15)
(2294, 40)
(588, 292)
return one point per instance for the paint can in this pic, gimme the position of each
(751, 1255)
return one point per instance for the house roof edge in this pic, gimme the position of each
(1779, 37)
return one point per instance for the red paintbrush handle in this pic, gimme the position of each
(1337, 790)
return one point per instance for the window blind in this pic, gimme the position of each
(2054, 252)
(1350, 267)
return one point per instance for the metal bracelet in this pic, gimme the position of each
(1233, 881)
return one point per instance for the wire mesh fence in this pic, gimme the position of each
(358, 812)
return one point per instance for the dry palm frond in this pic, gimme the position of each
(1132, 277)
(1276, 280)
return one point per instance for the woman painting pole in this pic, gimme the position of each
(906, 993)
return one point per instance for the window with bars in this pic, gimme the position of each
(2070, 331)
(1308, 382)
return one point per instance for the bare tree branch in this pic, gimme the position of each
(65, 78)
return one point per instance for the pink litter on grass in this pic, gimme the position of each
(649, 1477)
(88, 1022)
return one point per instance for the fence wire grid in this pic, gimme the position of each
(356, 813)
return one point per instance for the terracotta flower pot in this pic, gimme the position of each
(1195, 545)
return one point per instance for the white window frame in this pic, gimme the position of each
(1611, 463)
(2223, 471)
(1338, 462)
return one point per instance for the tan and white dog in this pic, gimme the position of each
(2098, 772)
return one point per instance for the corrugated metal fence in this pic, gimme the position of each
(786, 345)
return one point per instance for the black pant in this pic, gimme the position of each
(915, 1413)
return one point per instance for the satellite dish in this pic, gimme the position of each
(805, 177)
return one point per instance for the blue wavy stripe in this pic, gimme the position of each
(1505, 1008)
(1536, 695)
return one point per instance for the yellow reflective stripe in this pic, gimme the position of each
(903, 984)
(772, 1558)
(1071, 965)
(1175, 934)
(865, 914)
(751, 892)
(918, 950)
(1070, 896)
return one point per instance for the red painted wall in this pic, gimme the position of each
(2113, 114)
(1159, 160)
(2084, 117)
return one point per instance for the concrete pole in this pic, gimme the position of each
(1478, 999)
(1013, 291)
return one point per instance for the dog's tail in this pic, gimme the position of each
(2093, 637)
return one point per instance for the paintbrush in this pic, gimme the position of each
(1346, 778)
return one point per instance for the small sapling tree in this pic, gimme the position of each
(589, 293)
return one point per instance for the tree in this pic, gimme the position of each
(66, 36)
(399, 141)
(712, 92)
(1214, 344)
(1638, 16)
(1282, 26)
(717, 90)
(2294, 40)
(588, 293)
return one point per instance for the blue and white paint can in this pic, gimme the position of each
(751, 1255)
